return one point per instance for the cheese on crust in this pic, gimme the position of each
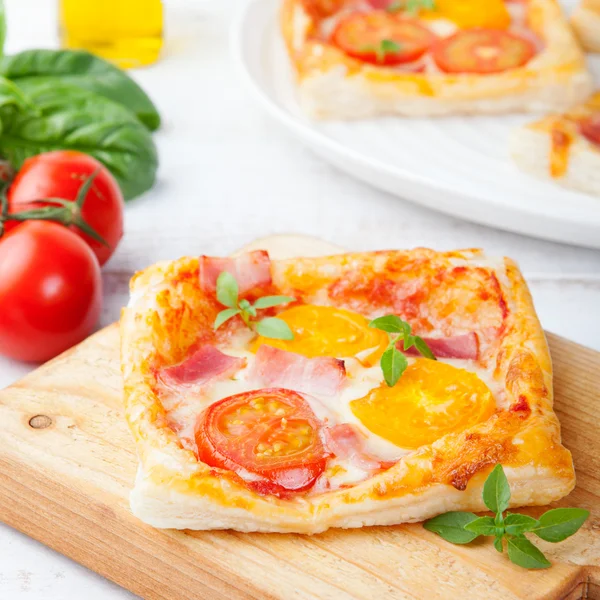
(332, 85)
(553, 149)
(586, 23)
(173, 489)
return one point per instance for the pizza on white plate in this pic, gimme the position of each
(564, 148)
(364, 58)
(586, 22)
(357, 389)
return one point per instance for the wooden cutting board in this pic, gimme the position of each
(67, 464)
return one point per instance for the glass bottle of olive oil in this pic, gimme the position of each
(126, 32)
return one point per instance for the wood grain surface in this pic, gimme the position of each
(67, 464)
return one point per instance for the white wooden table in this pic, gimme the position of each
(228, 175)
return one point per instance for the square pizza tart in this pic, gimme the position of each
(289, 399)
(364, 58)
(564, 148)
(586, 22)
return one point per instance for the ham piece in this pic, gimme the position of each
(321, 376)
(346, 442)
(203, 365)
(459, 346)
(250, 270)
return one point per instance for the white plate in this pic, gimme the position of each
(457, 165)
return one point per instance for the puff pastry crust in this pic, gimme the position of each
(332, 85)
(554, 149)
(586, 23)
(462, 290)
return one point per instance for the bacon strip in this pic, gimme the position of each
(347, 443)
(459, 346)
(250, 270)
(273, 367)
(203, 365)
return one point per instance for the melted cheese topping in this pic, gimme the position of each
(448, 17)
(467, 392)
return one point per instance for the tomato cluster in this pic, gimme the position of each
(62, 219)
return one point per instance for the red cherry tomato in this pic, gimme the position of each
(271, 433)
(50, 291)
(590, 128)
(381, 38)
(482, 51)
(60, 174)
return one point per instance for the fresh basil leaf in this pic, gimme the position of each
(225, 315)
(2, 27)
(414, 6)
(56, 96)
(482, 526)
(407, 341)
(421, 345)
(391, 324)
(247, 308)
(85, 71)
(268, 301)
(94, 125)
(389, 47)
(451, 526)
(558, 524)
(516, 524)
(523, 553)
(12, 95)
(498, 543)
(496, 491)
(227, 290)
(393, 364)
(274, 328)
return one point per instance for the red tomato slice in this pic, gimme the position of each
(590, 128)
(381, 38)
(271, 433)
(482, 51)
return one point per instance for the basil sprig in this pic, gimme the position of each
(411, 6)
(270, 327)
(393, 362)
(554, 525)
(382, 49)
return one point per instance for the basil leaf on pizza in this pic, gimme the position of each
(393, 362)
(225, 315)
(269, 301)
(227, 292)
(227, 289)
(274, 328)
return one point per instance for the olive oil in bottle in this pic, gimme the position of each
(126, 32)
